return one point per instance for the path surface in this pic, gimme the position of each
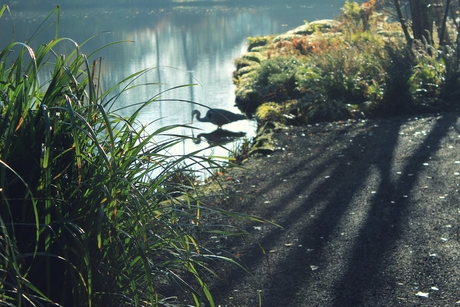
(370, 214)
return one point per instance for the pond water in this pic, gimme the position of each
(181, 45)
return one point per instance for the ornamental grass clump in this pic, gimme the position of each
(87, 214)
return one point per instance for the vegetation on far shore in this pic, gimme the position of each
(359, 66)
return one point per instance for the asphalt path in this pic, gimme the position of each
(369, 211)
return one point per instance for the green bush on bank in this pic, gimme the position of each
(87, 214)
(353, 68)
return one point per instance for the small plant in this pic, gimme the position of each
(242, 151)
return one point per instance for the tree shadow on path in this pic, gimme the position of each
(322, 184)
(386, 218)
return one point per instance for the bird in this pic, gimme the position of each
(218, 117)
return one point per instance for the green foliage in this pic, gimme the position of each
(355, 15)
(269, 111)
(351, 10)
(87, 214)
(355, 70)
(254, 57)
(257, 41)
(277, 79)
(427, 76)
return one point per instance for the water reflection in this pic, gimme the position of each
(218, 137)
(181, 45)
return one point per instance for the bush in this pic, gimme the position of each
(276, 80)
(359, 68)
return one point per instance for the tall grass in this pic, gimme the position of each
(87, 215)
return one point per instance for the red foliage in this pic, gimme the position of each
(303, 45)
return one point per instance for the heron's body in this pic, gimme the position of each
(218, 117)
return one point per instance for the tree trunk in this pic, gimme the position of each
(402, 21)
(422, 21)
(441, 19)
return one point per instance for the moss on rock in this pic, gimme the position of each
(254, 56)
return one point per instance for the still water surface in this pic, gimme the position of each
(182, 45)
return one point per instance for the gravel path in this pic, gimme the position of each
(370, 214)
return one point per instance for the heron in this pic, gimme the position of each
(218, 117)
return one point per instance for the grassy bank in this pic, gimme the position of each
(358, 66)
